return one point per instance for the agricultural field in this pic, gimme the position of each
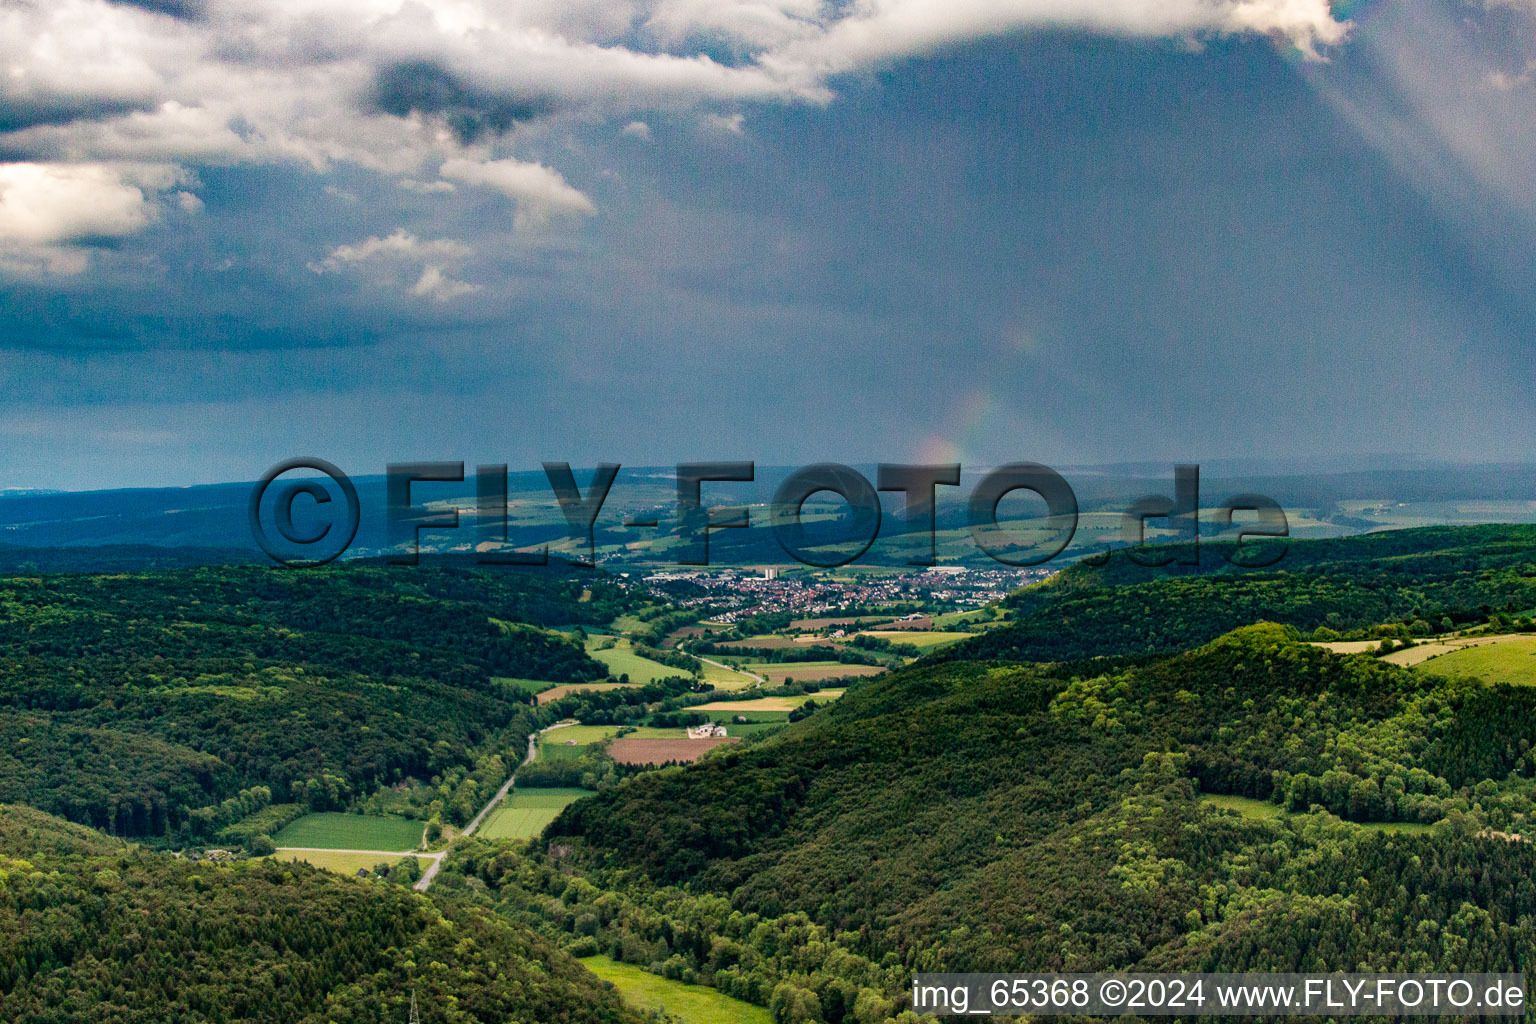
(585, 735)
(770, 642)
(725, 718)
(924, 639)
(1512, 660)
(1348, 646)
(1431, 650)
(726, 679)
(638, 750)
(811, 671)
(978, 617)
(570, 743)
(783, 704)
(560, 691)
(867, 620)
(342, 863)
(689, 1004)
(525, 813)
(334, 831)
(622, 660)
(582, 735)
(756, 727)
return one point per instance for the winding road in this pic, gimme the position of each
(425, 882)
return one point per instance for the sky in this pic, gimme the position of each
(1064, 231)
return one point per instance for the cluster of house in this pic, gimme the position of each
(706, 731)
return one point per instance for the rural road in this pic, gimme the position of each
(731, 668)
(533, 748)
(425, 882)
(421, 885)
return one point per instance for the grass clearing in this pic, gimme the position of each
(622, 660)
(781, 704)
(1411, 827)
(629, 624)
(726, 718)
(343, 863)
(812, 671)
(691, 1004)
(525, 813)
(726, 679)
(1511, 660)
(975, 617)
(560, 691)
(757, 727)
(1261, 810)
(581, 734)
(334, 831)
(924, 639)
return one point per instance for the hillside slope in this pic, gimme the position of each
(130, 701)
(93, 930)
(1462, 573)
(972, 817)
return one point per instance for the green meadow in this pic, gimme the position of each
(332, 831)
(622, 660)
(1263, 810)
(689, 1004)
(525, 813)
(1509, 661)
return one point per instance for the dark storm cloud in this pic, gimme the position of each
(17, 114)
(187, 10)
(423, 87)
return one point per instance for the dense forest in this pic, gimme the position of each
(1464, 574)
(967, 816)
(1141, 771)
(155, 703)
(94, 930)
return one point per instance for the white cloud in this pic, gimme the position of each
(427, 187)
(434, 284)
(401, 244)
(92, 84)
(539, 191)
(392, 255)
(51, 203)
(638, 130)
(726, 124)
(48, 209)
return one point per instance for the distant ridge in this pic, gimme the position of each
(115, 558)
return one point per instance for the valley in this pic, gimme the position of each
(781, 817)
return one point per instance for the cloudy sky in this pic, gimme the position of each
(781, 230)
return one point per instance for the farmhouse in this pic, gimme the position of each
(706, 731)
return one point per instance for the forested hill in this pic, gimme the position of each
(159, 702)
(94, 930)
(1458, 573)
(116, 558)
(973, 817)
